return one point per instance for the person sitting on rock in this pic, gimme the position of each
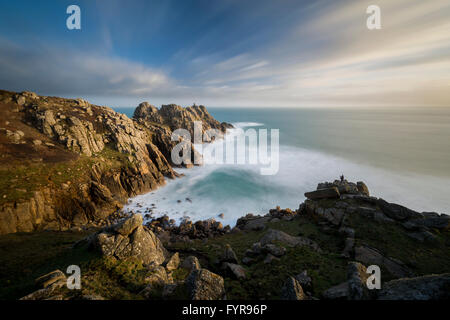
(342, 178)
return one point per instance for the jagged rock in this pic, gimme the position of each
(234, 270)
(370, 256)
(356, 280)
(280, 236)
(50, 279)
(396, 211)
(327, 193)
(202, 284)
(173, 262)
(429, 287)
(228, 255)
(140, 243)
(191, 263)
(292, 290)
(129, 225)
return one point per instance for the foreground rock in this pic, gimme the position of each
(202, 284)
(430, 287)
(130, 239)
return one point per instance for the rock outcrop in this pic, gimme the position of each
(130, 239)
(202, 284)
(125, 157)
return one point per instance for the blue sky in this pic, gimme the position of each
(229, 53)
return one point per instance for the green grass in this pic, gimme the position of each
(19, 182)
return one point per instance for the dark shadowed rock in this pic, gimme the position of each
(429, 287)
(228, 255)
(292, 290)
(191, 263)
(339, 291)
(370, 256)
(235, 270)
(396, 211)
(327, 193)
(356, 280)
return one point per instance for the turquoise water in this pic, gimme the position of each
(403, 155)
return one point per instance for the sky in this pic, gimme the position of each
(229, 53)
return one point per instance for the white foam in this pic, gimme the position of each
(238, 190)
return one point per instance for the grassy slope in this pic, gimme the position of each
(24, 257)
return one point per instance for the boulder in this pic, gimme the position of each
(202, 284)
(173, 262)
(277, 251)
(129, 225)
(280, 236)
(228, 255)
(327, 193)
(292, 290)
(139, 243)
(429, 287)
(191, 263)
(235, 270)
(362, 188)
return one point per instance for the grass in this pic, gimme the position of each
(26, 256)
(18, 182)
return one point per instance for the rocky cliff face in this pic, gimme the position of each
(105, 156)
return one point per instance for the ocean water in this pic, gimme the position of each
(402, 154)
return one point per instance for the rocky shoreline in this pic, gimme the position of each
(332, 208)
(121, 158)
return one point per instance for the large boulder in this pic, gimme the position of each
(429, 287)
(325, 193)
(202, 284)
(130, 239)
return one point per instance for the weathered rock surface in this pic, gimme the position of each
(202, 284)
(292, 290)
(429, 287)
(370, 256)
(138, 242)
(280, 236)
(324, 193)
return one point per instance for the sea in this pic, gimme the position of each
(402, 154)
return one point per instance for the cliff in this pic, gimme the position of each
(66, 163)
